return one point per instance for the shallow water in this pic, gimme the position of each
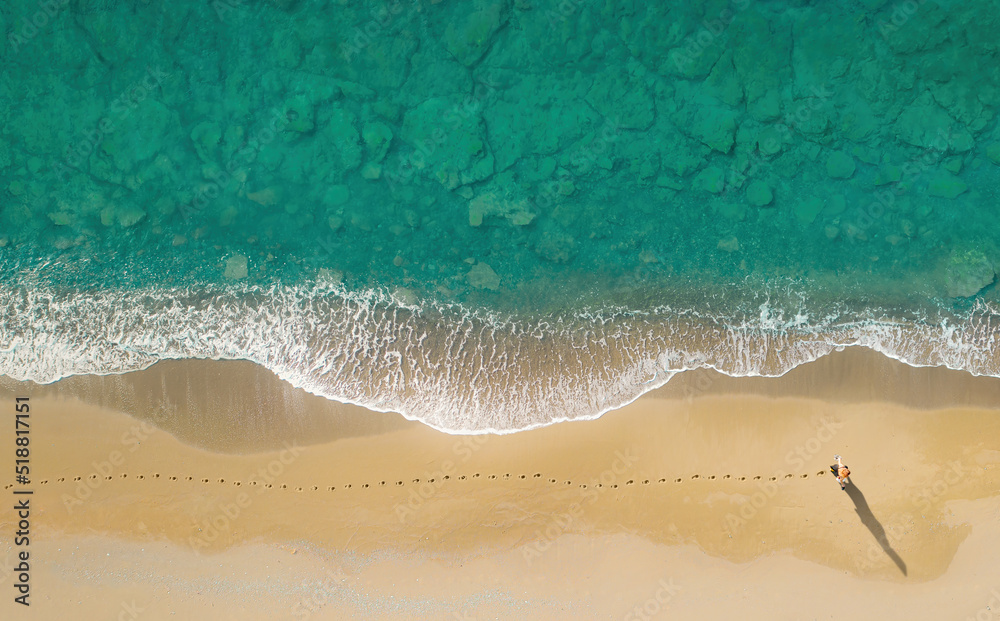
(493, 215)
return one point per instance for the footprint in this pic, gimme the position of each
(743, 478)
(788, 476)
(697, 476)
(711, 478)
(727, 476)
(677, 480)
(523, 476)
(538, 474)
(804, 476)
(757, 478)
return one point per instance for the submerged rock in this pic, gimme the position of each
(714, 126)
(236, 267)
(468, 36)
(482, 276)
(130, 216)
(888, 173)
(729, 244)
(926, 125)
(759, 194)
(556, 246)
(449, 142)
(993, 152)
(206, 137)
(968, 273)
(840, 165)
(712, 179)
(733, 211)
(623, 96)
(336, 195)
(946, 185)
(490, 203)
(378, 138)
(807, 209)
(139, 136)
(342, 134)
(300, 115)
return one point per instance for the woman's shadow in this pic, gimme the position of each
(869, 520)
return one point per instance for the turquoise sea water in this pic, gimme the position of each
(497, 214)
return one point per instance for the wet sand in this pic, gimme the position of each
(161, 494)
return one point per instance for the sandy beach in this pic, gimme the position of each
(200, 489)
(464, 310)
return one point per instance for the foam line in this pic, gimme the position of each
(452, 368)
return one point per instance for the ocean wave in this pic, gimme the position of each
(453, 368)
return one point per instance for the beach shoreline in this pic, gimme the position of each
(713, 492)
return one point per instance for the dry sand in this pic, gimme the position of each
(709, 499)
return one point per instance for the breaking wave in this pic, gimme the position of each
(456, 369)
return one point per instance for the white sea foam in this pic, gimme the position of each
(451, 368)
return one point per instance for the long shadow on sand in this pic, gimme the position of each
(869, 520)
